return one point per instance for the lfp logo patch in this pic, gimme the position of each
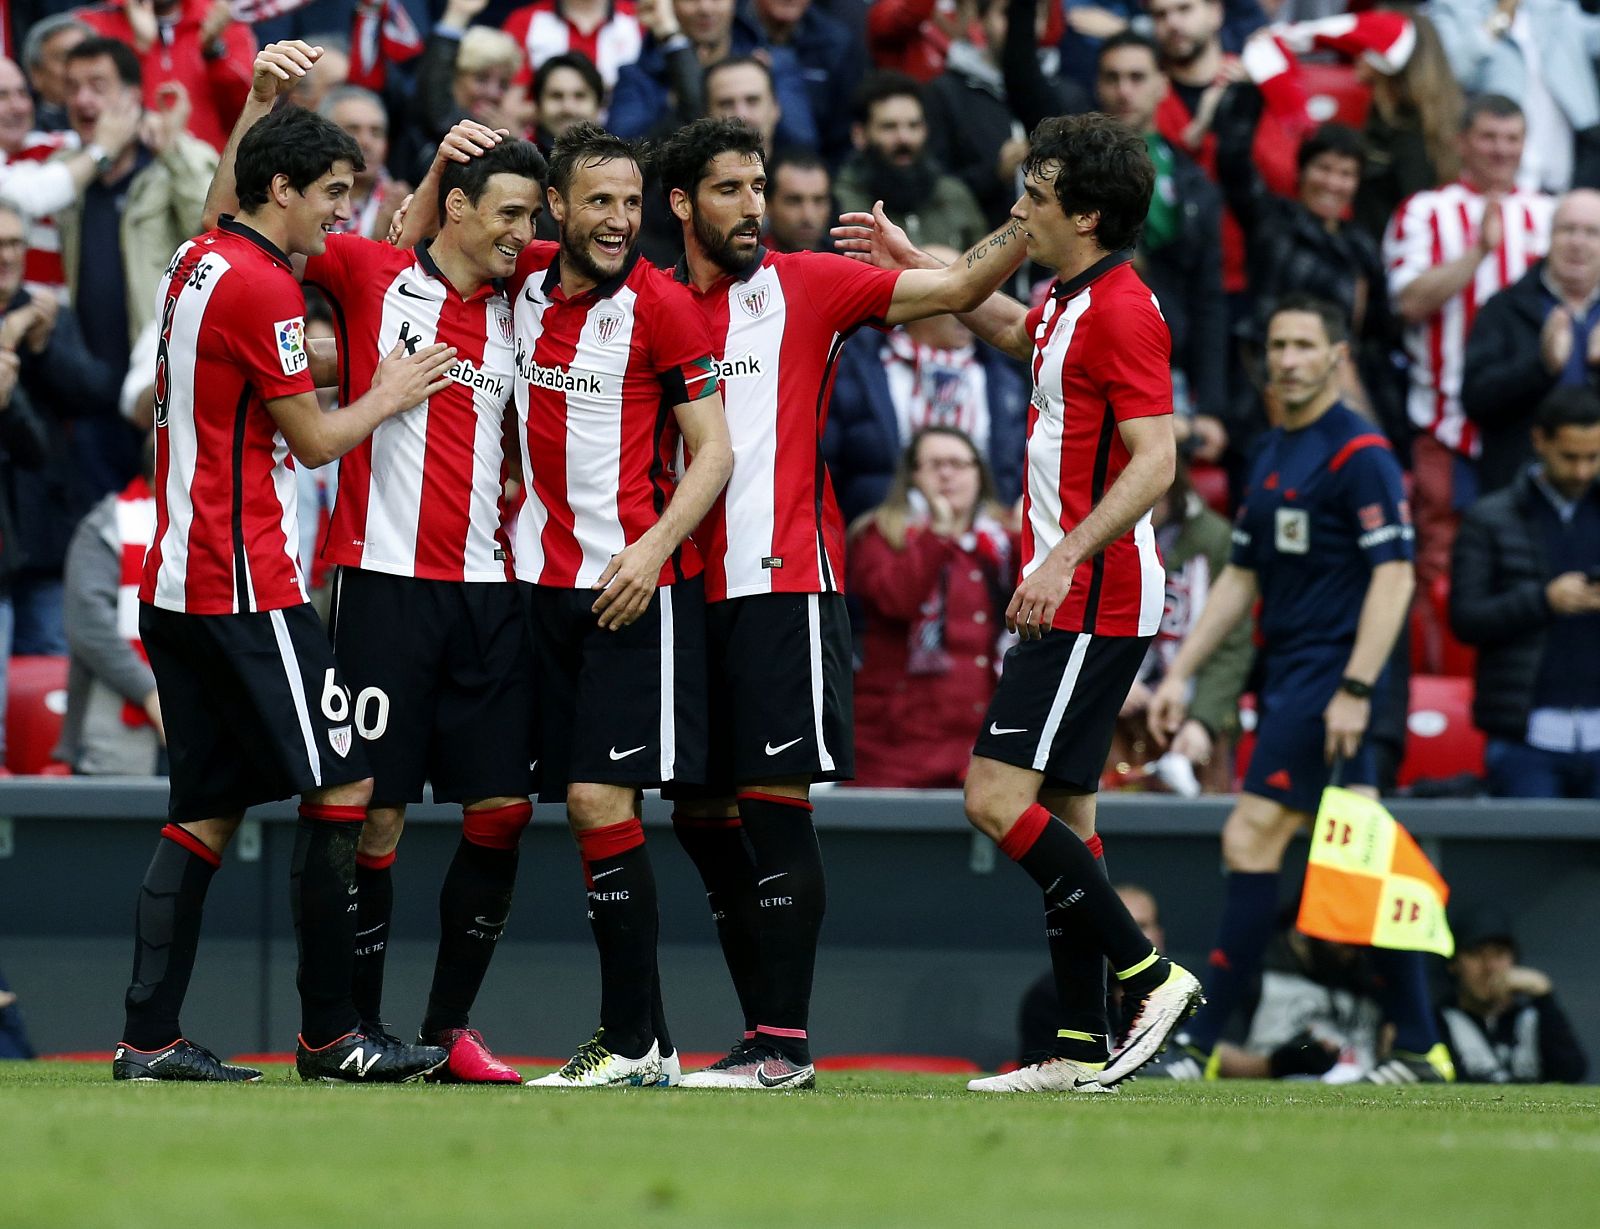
(292, 354)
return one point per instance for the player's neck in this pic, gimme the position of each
(1301, 418)
(273, 228)
(1082, 254)
(457, 269)
(704, 272)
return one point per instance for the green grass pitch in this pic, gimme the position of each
(863, 1149)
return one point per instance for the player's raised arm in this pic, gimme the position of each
(462, 143)
(278, 67)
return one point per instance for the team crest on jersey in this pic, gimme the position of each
(755, 300)
(607, 322)
(502, 321)
(339, 740)
(292, 356)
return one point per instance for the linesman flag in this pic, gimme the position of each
(1367, 882)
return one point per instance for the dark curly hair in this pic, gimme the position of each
(681, 160)
(293, 142)
(583, 144)
(1098, 164)
(508, 158)
(1332, 139)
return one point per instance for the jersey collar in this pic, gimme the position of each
(227, 222)
(552, 278)
(681, 272)
(1108, 262)
(425, 259)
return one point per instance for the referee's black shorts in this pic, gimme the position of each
(1055, 710)
(254, 708)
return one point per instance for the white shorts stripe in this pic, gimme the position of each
(669, 698)
(291, 669)
(1058, 707)
(814, 644)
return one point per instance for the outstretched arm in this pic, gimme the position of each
(278, 67)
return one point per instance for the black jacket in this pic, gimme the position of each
(1498, 573)
(1504, 378)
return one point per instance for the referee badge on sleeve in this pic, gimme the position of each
(292, 354)
(1293, 531)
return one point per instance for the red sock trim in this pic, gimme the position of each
(497, 827)
(598, 844)
(1025, 832)
(781, 799)
(189, 841)
(1096, 847)
(749, 1034)
(705, 821)
(771, 1031)
(333, 814)
(376, 861)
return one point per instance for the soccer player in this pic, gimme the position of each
(428, 625)
(1100, 453)
(777, 631)
(614, 368)
(254, 706)
(1324, 539)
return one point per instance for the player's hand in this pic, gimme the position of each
(142, 19)
(1568, 594)
(397, 223)
(10, 366)
(217, 19)
(396, 196)
(1034, 604)
(1492, 230)
(1167, 709)
(1533, 983)
(279, 67)
(410, 379)
(1555, 340)
(627, 584)
(872, 238)
(1346, 720)
(466, 141)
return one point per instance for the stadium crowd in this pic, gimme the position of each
(1432, 171)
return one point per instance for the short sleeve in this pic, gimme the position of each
(1134, 360)
(1242, 553)
(1408, 243)
(680, 347)
(266, 333)
(343, 267)
(1374, 495)
(845, 292)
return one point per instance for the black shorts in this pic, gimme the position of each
(441, 680)
(624, 707)
(780, 672)
(254, 708)
(1056, 707)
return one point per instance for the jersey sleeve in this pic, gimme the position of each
(846, 292)
(1375, 498)
(344, 265)
(534, 258)
(1242, 554)
(680, 346)
(1134, 365)
(266, 336)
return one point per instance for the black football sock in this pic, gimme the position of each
(172, 900)
(622, 915)
(322, 898)
(1403, 995)
(791, 897)
(1080, 975)
(718, 850)
(374, 910)
(474, 906)
(1249, 910)
(658, 1017)
(1062, 865)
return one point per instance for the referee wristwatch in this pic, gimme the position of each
(103, 161)
(1356, 688)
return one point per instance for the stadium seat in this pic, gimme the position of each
(916, 1064)
(1245, 744)
(1434, 647)
(1441, 741)
(1210, 482)
(36, 703)
(1335, 94)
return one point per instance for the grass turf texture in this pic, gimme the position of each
(863, 1149)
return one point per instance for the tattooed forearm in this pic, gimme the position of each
(995, 242)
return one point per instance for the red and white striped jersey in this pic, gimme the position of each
(233, 337)
(43, 265)
(422, 495)
(1430, 229)
(543, 30)
(776, 333)
(1101, 355)
(597, 379)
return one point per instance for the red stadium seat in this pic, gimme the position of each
(1210, 482)
(36, 703)
(916, 1064)
(1441, 741)
(1335, 94)
(1244, 746)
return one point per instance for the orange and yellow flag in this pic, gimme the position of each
(1367, 882)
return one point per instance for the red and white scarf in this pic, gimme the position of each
(134, 530)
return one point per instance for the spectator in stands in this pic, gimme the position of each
(331, 70)
(1541, 52)
(567, 90)
(1447, 251)
(609, 33)
(1178, 252)
(832, 62)
(465, 73)
(892, 164)
(113, 721)
(14, 1041)
(915, 36)
(1503, 1024)
(928, 373)
(1032, 93)
(741, 88)
(1534, 335)
(376, 194)
(799, 204)
(194, 43)
(1525, 589)
(933, 566)
(1091, 23)
(663, 86)
(44, 53)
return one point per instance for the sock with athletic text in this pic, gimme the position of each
(791, 898)
(717, 848)
(1080, 973)
(1403, 995)
(474, 906)
(1082, 896)
(322, 898)
(1249, 913)
(374, 910)
(172, 900)
(622, 915)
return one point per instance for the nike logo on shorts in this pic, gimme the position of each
(622, 755)
(996, 728)
(771, 750)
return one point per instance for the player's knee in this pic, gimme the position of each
(985, 812)
(350, 794)
(213, 833)
(596, 806)
(497, 823)
(380, 833)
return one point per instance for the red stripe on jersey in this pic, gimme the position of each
(1354, 446)
(546, 459)
(447, 463)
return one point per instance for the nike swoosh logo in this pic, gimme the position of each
(998, 729)
(528, 295)
(770, 878)
(787, 1078)
(614, 870)
(771, 750)
(622, 755)
(412, 294)
(483, 921)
